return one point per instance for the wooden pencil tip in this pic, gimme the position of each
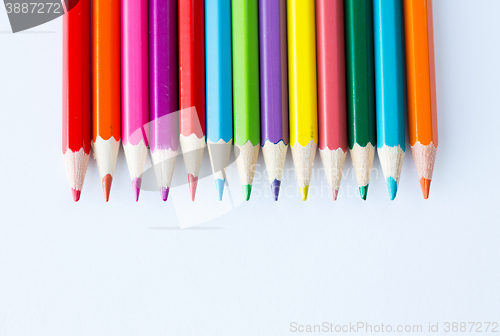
(106, 185)
(193, 183)
(303, 192)
(136, 185)
(76, 194)
(425, 184)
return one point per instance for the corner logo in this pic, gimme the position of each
(26, 14)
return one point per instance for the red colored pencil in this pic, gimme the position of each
(76, 94)
(192, 86)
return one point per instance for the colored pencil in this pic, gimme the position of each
(135, 104)
(390, 89)
(76, 94)
(273, 89)
(219, 88)
(331, 90)
(303, 89)
(361, 128)
(245, 24)
(422, 105)
(192, 87)
(106, 124)
(163, 93)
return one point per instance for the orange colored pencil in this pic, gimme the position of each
(106, 127)
(422, 106)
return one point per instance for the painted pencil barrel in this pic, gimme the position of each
(246, 71)
(246, 96)
(274, 113)
(219, 87)
(106, 118)
(134, 79)
(163, 72)
(331, 89)
(361, 129)
(390, 89)
(421, 86)
(219, 71)
(303, 88)
(163, 93)
(273, 88)
(76, 128)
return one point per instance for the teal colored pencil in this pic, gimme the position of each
(390, 89)
(219, 87)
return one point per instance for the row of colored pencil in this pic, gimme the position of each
(270, 73)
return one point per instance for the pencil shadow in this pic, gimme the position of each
(176, 228)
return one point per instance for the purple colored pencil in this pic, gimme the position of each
(164, 126)
(273, 88)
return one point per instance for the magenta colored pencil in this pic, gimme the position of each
(163, 93)
(134, 77)
(273, 88)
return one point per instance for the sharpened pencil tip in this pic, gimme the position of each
(425, 184)
(193, 183)
(275, 187)
(247, 190)
(303, 192)
(392, 186)
(164, 193)
(106, 185)
(335, 193)
(363, 192)
(136, 185)
(76, 194)
(219, 185)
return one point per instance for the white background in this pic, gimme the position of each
(126, 268)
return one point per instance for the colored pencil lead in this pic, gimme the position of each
(247, 190)
(275, 187)
(363, 192)
(219, 185)
(193, 183)
(76, 194)
(164, 193)
(392, 186)
(335, 194)
(303, 192)
(136, 185)
(425, 184)
(106, 185)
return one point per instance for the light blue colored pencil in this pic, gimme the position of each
(390, 89)
(219, 87)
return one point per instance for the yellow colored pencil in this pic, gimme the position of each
(303, 90)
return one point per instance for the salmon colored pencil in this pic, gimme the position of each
(422, 106)
(135, 95)
(192, 87)
(106, 127)
(331, 90)
(76, 94)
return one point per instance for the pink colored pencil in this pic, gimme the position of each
(331, 89)
(135, 100)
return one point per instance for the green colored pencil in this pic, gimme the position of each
(360, 89)
(246, 89)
